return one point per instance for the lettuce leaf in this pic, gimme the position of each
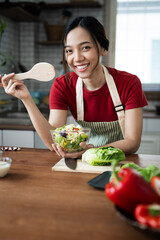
(102, 156)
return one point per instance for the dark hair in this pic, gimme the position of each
(93, 26)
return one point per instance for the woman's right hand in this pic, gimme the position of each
(14, 87)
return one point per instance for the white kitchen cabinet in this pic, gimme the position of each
(150, 141)
(151, 125)
(38, 142)
(0, 137)
(19, 138)
(150, 144)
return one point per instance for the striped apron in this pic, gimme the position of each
(102, 132)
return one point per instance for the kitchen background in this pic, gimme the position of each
(25, 41)
(28, 42)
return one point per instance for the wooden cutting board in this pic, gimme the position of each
(83, 167)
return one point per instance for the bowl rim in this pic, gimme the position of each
(80, 130)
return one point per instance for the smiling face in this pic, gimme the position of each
(82, 54)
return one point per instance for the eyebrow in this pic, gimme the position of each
(82, 43)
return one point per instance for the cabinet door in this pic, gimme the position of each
(38, 142)
(149, 144)
(18, 138)
(0, 137)
(152, 125)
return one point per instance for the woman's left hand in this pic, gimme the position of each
(63, 154)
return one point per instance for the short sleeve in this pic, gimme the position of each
(134, 95)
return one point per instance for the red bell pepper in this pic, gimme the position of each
(155, 183)
(148, 215)
(129, 188)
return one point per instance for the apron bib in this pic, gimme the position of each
(102, 132)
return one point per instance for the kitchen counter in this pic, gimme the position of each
(16, 127)
(37, 203)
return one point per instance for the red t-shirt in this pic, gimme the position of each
(98, 105)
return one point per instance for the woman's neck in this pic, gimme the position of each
(96, 81)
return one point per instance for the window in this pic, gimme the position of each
(138, 39)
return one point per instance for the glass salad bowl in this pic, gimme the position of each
(70, 136)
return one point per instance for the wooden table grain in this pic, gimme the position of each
(36, 203)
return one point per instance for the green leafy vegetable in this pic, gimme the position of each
(102, 156)
(148, 172)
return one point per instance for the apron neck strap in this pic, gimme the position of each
(116, 99)
(79, 99)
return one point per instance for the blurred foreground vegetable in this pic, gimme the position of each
(148, 215)
(155, 183)
(148, 172)
(129, 188)
(102, 156)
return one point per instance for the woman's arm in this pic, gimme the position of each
(57, 118)
(42, 126)
(133, 131)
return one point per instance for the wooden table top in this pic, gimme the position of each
(37, 203)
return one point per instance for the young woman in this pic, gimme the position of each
(106, 100)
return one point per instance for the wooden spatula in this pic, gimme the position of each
(41, 71)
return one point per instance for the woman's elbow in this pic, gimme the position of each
(133, 146)
(135, 149)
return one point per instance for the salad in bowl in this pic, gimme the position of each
(70, 136)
